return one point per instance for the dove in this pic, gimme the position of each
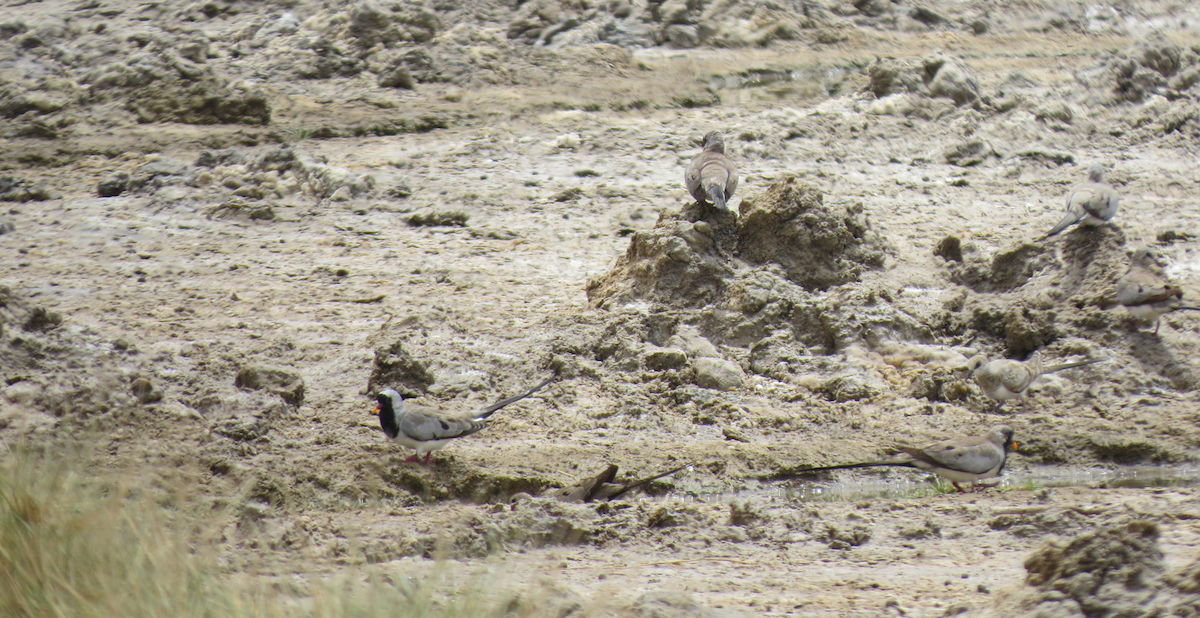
(959, 460)
(427, 429)
(1004, 378)
(1146, 293)
(604, 486)
(1089, 203)
(712, 176)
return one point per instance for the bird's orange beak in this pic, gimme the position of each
(375, 410)
(1013, 445)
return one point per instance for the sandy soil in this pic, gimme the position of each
(546, 162)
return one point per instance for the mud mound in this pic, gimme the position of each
(937, 76)
(1154, 67)
(818, 246)
(1032, 295)
(706, 302)
(1115, 571)
(1108, 572)
(677, 263)
(683, 263)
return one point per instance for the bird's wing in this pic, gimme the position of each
(731, 184)
(1071, 218)
(714, 170)
(425, 424)
(1101, 203)
(1142, 287)
(1015, 376)
(970, 455)
(691, 178)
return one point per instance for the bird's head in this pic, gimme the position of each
(1095, 173)
(387, 401)
(975, 363)
(1146, 258)
(1003, 436)
(713, 142)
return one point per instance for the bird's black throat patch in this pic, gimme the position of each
(387, 416)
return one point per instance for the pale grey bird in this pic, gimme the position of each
(1089, 203)
(427, 429)
(712, 177)
(960, 460)
(1004, 378)
(1146, 292)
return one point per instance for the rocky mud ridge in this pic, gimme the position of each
(226, 225)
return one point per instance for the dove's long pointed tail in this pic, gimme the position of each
(1067, 221)
(1053, 368)
(784, 475)
(488, 411)
(640, 482)
(716, 194)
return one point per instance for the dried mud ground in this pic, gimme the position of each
(160, 285)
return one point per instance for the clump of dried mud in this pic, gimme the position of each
(1116, 570)
(708, 289)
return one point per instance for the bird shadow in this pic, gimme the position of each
(1155, 357)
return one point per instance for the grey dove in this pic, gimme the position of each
(712, 177)
(427, 429)
(1004, 378)
(1145, 292)
(1089, 203)
(959, 460)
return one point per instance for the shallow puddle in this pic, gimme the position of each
(896, 484)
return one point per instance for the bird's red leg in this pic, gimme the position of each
(1157, 323)
(428, 456)
(958, 487)
(412, 459)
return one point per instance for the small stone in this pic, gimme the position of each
(250, 191)
(681, 36)
(665, 358)
(23, 392)
(40, 319)
(950, 249)
(718, 373)
(163, 166)
(397, 77)
(569, 140)
(113, 185)
(145, 391)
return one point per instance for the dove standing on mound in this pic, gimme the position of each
(1089, 203)
(712, 177)
(961, 460)
(1004, 378)
(1146, 293)
(426, 429)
